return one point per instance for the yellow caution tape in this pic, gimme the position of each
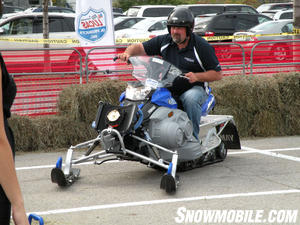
(296, 31)
(132, 40)
(217, 38)
(41, 41)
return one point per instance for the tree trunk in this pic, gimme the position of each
(47, 64)
(45, 22)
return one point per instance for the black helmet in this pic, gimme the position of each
(181, 17)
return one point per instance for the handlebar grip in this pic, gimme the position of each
(35, 217)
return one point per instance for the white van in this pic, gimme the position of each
(30, 25)
(149, 10)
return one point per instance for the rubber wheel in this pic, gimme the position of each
(168, 183)
(221, 151)
(58, 176)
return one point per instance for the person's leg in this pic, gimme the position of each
(4, 208)
(192, 101)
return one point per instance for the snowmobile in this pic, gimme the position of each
(149, 127)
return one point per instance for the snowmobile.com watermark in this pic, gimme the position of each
(237, 216)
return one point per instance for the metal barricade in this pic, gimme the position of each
(40, 75)
(278, 63)
(231, 61)
(104, 64)
(42, 60)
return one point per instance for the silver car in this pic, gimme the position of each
(268, 31)
(265, 30)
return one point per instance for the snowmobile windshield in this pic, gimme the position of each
(154, 72)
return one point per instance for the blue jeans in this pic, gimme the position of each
(192, 101)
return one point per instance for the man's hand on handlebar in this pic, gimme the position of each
(192, 77)
(124, 57)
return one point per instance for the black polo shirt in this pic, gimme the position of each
(198, 56)
(8, 89)
(184, 59)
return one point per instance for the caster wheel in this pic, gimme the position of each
(58, 176)
(35, 217)
(221, 151)
(168, 183)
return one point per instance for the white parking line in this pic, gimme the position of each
(245, 150)
(265, 150)
(274, 154)
(165, 201)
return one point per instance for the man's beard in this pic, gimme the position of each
(177, 39)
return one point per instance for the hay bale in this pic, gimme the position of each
(25, 133)
(267, 123)
(252, 93)
(67, 102)
(37, 133)
(251, 99)
(59, 131)
(242, 118)
(266, 94)
(80, 102)
(289, 88)
(235, 92)
(291, 120)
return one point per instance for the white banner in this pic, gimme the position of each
(94, 22)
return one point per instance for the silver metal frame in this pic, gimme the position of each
(103, 154)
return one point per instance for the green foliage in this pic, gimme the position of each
(61, 3)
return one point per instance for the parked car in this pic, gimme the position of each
(11, 9)
(274, 6)
(30, 25)
(279, 14)
(124, 22)
(24, 3)
(117, 10)
(275, 51)
(265, 30)
(51, 9)
(8, 11)
(270, 13)
(226, 24)
(284, 14)
(199, 9)
(146, 28)
(149, 10)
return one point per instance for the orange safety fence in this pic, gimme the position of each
(40, 75)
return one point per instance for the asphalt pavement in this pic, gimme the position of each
(259, 184)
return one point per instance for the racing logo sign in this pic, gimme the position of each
(92, 25)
